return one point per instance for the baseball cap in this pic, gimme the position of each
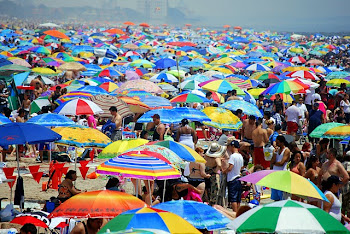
(155, 116)
(234, 143)
(334, 179)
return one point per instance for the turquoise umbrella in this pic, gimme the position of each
(246, 107)
(323, 128)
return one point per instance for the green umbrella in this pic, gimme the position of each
(38, 103)
(8, 70)
(287, 216)
(320, 130)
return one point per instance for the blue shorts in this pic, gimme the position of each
(44, 146)
(276, 195)
(234, 190)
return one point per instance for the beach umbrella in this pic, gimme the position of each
(189, 98)
(167, 87)
(38, 104)
(109, 86)
(286, 181)
(131, 75)
(72, 66)
(45, 71)
(256, 92)
(19, 61)
(148, 218)
(97, 204)
(40, 50)
(106, 101)
(94, 90)
(39, 219)
(191, 114)
(135, 93)
(178, 73)
(109, 72)
(50, 120)
(138, 165)
(78, 106)
(303, 74)
(166, 116)
(297, 59)
(4, 119)
(335, 75)
(146, 85)
(257, 67)
(222, 119)
(10, 69)
(73, 95)
(135, 106)
(121, 146)
(29, 219)
(286, 216)
(198, 77)
(315, 62)
(156, 102)
(184, 152)
(339, 132)
(200, 215)
(246, 107)
(142, 63)
(56, 33)
(320, 130)
(163, 77)
(82, 136)
(190, 85)
(338, 82)
(286, 87)
(164, 63)
(220, 86)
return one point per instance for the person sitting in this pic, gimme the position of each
(28, 228)
(113, 184)
(178, 190)
(66, 189)
(92, 226)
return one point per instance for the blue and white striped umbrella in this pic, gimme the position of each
(164, 77)
(257, 67)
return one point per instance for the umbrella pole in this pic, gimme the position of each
(17, 156)
(75, 161)
(150, 193)
(164, 191)
(137, 188)
(11, 196)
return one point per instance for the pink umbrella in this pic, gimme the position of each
(131, 75)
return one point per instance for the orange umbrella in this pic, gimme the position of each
(238, 27)
(128, 23)
(144, 25)
(56, 33)
(115, 31)
(97, 204)
(227, 26)
(135, 106)
(188, 25)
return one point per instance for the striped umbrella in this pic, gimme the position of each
(106, 101)
(155, 102)
(338, 82)
(220, 86)
(78, 107)
(146, 85)
(94, 90)
(190, 85)
(121, 146)
(139, 166)
(287, 216)
(339, 132)
(163, 77)
(189, 98)
(257, 67)
(135, 106)
(337, 75)
(285, 86)
(222, 118)
(323, 128)
(303, 74)
(109, 86)
(73, 95)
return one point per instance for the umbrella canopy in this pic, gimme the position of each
(286, 181)
(135, 106)
(286, 87)
(163, 77)
(141, 84)
(4, 119)
(25, 133)
(246, 107)
(303, 74)
(29, 219)
(338, 82)
(220, 86)
(319, 131)
(50, 120)
(39, 103)
(222, 119)
(191, 114)
(339, 132)
(287, 217)
(82, 136)
(94, 90)
(165, 63)
(189, 98)
(149, 219)
(166, 116)
(72, 66)
(155, 102)
(97, 204)
(56, 33)
(200, 215)
(138, 165)
(78, 107)
(106, 101)
(190, 84)
(183, 151)
(121, 146)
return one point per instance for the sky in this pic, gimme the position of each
(276, 15)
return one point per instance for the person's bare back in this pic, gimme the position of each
(259, 136)
(248, 129)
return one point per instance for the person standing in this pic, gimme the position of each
(186, 135)
(157, 127)
(233, 174)
(118, 121)
(293, 114)
(260, 139)
(345, 106)
(4, 94)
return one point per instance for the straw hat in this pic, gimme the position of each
(215, 150)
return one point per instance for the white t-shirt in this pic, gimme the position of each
(236, 160)
(83, 122)
(293, 113)
(303, 110)
(308, 97)
(346, 107)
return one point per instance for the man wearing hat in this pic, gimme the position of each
(233, 172)
(4, 94)
(157, 127)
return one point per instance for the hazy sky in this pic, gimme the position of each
(281, 15)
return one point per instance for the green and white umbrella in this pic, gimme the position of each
(38, 103)
(287, 217)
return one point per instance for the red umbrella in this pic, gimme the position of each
(29, 219)
(237, 27)
(61, 85)
(144, 25)
(227, 26)
(182, 43)
(129, 23)
(56, 33)
(188, 25)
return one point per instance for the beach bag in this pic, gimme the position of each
(268, 152)
(193, 196)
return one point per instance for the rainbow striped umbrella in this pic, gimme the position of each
(121, 146)
(221, 86)
(222, 119)
(189, 98)
(73, 95)
(139, 166)
(338, 82)
(285, 86)
(109, 72)
(40, 50)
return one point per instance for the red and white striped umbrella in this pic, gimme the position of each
(297, 59)
(79, 107)
(303, 74)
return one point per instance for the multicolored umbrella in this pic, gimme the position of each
(221, 86)
(109, 86)
(286, 181)
(94, 90)
(149, 219)
(140, 166)
(121, 146)
(339, 132)
(303, 74)
(319, 131)
(257, 67)
(183, 151)
(222, 119)
(287, 216)
(246, 107)
(338, 82)
(163, 77)
(141, 84)
(135, 105)
(285, 86)
(97, 204)
(78, 107)
(39, 103)
(200, 215)
(156, 102)
(82, 136)
(190, 85)
(189, 98)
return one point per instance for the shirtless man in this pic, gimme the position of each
(38, 90)
(37, 80)
(234, 96)
(157, 127)
(332, 167)
(117, 119)
(247, 130)
(260, 139)
(26, 105)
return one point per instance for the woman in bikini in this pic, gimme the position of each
(66, 189)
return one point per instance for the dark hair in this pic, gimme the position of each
(208, 94)
(333, 151)
(239, 111)
(29, 227)
(143, 133)
(58, 87)
(292, 145)
(258, 122)
(294, 154)
(267, 114)
(261, 96)
(21, 111)
(112, 182)
(252, 117)
(282, 140)
(327, 184)
(184, 122)
(113, 108)
(278, 127)
(312, 159)
(70, 174)
(324, 141)
(234, 92)
(258, 167)
(7, 112)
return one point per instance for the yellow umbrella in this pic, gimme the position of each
(291, 69)
(340, 132)
(86, 54)
(256, 92)
(45, 71)
(135, 106)
(222, 118)
(121, 146)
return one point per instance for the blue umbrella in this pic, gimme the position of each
(165, 63)
(192, 114)
(4, 119)
(166, 116)
(246, 107)
(200, 215)
(94, 90)
(156, 102)
(164, 77)
(23, 133)
(50, 119)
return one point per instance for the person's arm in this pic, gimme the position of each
(78, 229)
(202, 171)
(286, 156)
(218, 163)
(301, 168)
(319, 178)
(328, 205)
(161, 132)
(72, 189)
(194, 136)
(318, 150)
(265, 137)
(273, 159)
(149, 126)
(181, 187)
(242, 131)
(228, 169)
(178, 135)
(308, 174)
(344, 174)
